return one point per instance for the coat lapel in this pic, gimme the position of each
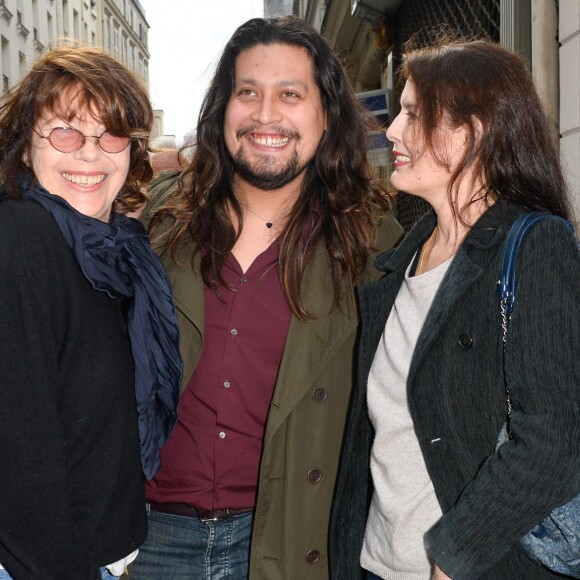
(186, 285)
(462, 274)
(188, 293)
(467, 267)
(376, 299)
(309, 345)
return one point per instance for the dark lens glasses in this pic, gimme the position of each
(67, 140)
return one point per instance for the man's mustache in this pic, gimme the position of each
(278, 131)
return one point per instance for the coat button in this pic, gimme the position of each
(312, 556)
(465, 341)
(319, 395)
(314, 476)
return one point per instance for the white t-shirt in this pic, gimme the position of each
(404, 505)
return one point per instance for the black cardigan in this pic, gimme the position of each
(457, 401)
(71, 489)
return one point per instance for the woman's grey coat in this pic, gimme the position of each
(457, 400)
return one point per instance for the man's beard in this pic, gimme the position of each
(263, 175)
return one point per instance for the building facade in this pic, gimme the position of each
(569, 94)
(27, 27)
(369, 36)
(123, 33)
(278, 7)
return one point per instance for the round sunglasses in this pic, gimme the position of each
(67, 140)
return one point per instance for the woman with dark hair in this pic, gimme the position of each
(472, 140)
(89, 359)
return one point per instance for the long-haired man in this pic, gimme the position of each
(264, 236)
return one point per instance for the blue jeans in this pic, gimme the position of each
(184, 548)
(105, 575)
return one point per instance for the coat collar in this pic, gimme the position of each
(309, 345)
(471, 260)
(475, 255)
(482, 236)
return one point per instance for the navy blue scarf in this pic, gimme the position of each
(117, 259)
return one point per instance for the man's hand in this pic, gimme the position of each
(165, 160)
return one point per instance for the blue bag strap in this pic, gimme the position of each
(506, 285)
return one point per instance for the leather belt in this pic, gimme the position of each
(183, 509)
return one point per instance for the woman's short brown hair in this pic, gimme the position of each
(60, 80)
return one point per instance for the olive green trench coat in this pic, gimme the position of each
(307, 413)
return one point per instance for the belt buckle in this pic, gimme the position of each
(203, 517)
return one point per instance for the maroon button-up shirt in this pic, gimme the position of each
(212, 458)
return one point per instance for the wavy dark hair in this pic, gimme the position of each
(486, 88)
(338, 179)
(63, 78)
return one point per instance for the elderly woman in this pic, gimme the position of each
(88, 355)
(472, 140)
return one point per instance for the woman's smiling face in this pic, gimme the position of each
(416, 170)
(89, 179)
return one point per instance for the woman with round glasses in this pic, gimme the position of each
(69, 139)
(89, 363)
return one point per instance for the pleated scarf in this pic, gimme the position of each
(116, 258)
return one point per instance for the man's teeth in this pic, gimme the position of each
(271, 141)
(83, 179)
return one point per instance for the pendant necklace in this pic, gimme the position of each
(269, 223)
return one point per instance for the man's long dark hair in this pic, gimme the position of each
(338, 180)
(484, 87)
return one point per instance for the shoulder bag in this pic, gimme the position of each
(555, 541)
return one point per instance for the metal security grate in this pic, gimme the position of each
(423, 18)
(423, 21)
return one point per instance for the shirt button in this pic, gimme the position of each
(233, 332)
(243, 279)
(222, 435)
(227, 384)
(465, 341)
(312, 556)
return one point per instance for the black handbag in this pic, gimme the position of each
(555, 541)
